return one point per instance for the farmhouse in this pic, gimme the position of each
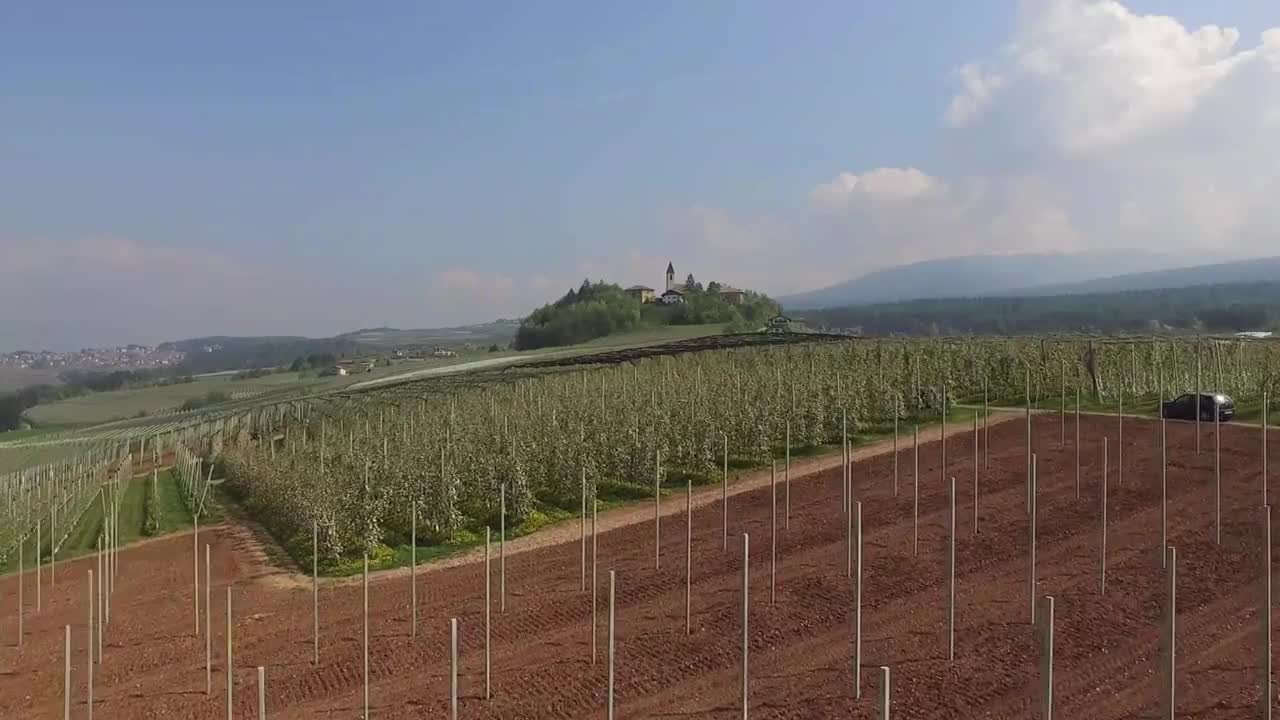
(641, 293)
(784, 324)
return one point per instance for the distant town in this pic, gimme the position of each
(115, 358)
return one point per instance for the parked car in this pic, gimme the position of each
(1183, 407)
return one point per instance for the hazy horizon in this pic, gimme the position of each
(309, 169)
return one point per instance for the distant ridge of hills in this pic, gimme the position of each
(1030, 274)
(1255, 270)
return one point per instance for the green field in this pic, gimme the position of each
(82, 540)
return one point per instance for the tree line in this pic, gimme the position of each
(1205, 308)
(595, 310)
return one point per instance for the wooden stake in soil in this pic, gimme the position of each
(230, 664)
(1217, 478)
(1120, 439)
(89, 665)
(884, 694)
(857, 603)
(951, 577)
(413, 571)
(365, 613)
(208, 626)
(20, 582)
(786, 484)
(895, 451)
(773, 534)
(488, 604)
(453, 668)
(1046, 659)
(612, 639)
(1031, 545)
(583, 523)
(1077, 442)
(688, 556)
(66, 673)
(844, 461)
(1102, 559)
(915, 491)
(101, 599)
(502, 551)
(315, 592)
(262, 693)
(746, 619)
(724, 497)
(594, 582)
(1164, 492)
(975, 474)
(1265, 641)
(657, 515)
(1170, 631)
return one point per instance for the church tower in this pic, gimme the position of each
(671, 276)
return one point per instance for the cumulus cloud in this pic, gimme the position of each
(878, 185)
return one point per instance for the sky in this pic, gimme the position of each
(172, 170)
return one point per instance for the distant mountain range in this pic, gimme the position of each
(1031, 274)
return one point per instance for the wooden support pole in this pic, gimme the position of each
(262, 694)
(594, 582)
(951, 576)
(208, 627)
(746, 621)
(1077, 442)
(1120, 439)
(857, 603)
(884, 694)
(895, 449)
(612, 637)
(413, 571)
(365, 644)
(1046, 660)
(502, 550)
(773, 534)
(1170, 633)
(1264, 668)
(1217, 478)
(488, 605)
(724, 498)
(1102, 557)
(1031, 544)
(231, 676)
(688, 556)
(915, 491)
(657, 515)
(975, 474)
(1164, 492)
(786, 483)
(583, 523)
(66, 673)
(89, 664)
(453, 668)
(315, 592)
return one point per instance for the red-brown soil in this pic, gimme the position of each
(1107, 650)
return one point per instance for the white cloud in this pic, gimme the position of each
(1094, 75)
(878, 185)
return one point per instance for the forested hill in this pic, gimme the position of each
(596, 310)
(1210, 308)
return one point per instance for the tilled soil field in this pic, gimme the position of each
(1107, 647)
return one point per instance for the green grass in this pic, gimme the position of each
(106, 406)
(174, 517)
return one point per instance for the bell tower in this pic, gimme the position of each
(671, 276)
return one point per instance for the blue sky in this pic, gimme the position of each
(311, 167)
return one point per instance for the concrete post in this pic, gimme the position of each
(884, 693)
(1046, 670)
(612, 638)
(1031, 544)
(1170, 632)
(857, 603)
(1265, 615)
(951, 576)
(915, 492)
(262, 694)
(746, 618)
(1102, 558)
(453, 668)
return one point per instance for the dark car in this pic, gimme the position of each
(1184, 407)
